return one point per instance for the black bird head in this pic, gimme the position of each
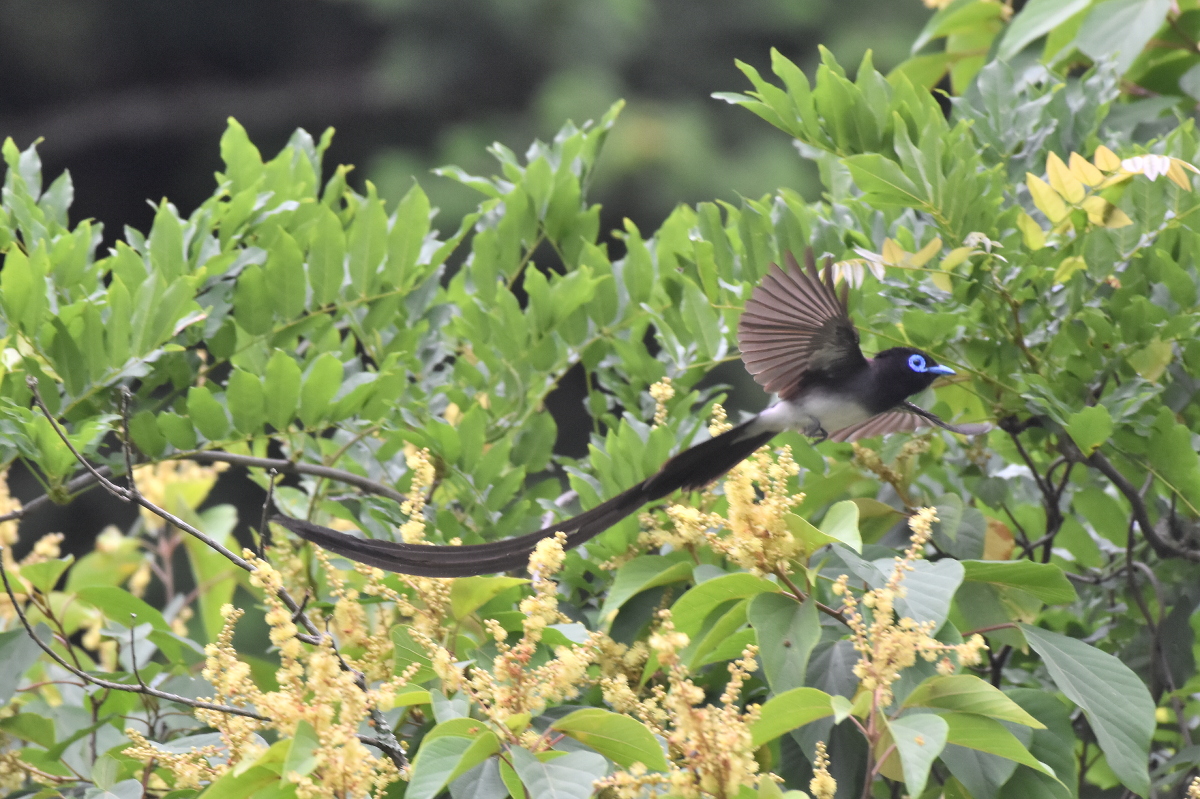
(904, 371)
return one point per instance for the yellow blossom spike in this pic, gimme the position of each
(1032, 234)
(1106, 160)
(1062, 181)
(1084, 171)
(1046, 199)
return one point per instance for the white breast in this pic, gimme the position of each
(819, 408)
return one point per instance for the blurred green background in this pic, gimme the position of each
(132, 95)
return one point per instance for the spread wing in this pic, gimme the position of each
(795, 323)
(905, 418)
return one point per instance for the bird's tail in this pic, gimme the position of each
(691, 469)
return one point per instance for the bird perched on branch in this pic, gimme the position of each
(797, 340)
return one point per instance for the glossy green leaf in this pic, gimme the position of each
(1046, 581)
(1090, 427)
(919, 739)
(791, 709)
(622, 739)
(321, 384)
(787, 631)
(247, 403)
(969, 694)
(1115, 701)
(281, 389)
(207, 414)
(567, 777)
(695, 605)
(468, 594)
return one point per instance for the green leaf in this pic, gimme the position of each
(567, 777)
(1035, 20)
(207, 414)
(884, 183)
(243, 163)
(841, 524)
(18, 652)
(1090, 427)
(326, 258)
(122, 607)
(166, 243)
(919, 739)
(247, 405)
(787, 631)
(1046, 581)
(284, 274)
(468, 594)
(408, 651)
(1115, 701)
(929, 589)
(1172, 454)
(1121, 29)
(25, 726)
(320, 386)
(791, 709)
(367, 243)
(177, 430)
(252, 301)
(481, 748)
(984, 734)
(301, 756)
(436, 760)
(641, 574)
(622, 739)
(407, 235)
(694, 606)
(281, 391)
(701, 320)
(969, 694)
(44, 576)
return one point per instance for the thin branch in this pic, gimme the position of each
(314, 634)
(141, 688)
(801, 596)
(1161, 545)
(284, 466)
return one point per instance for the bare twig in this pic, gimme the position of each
(1161, 545)
(314, 634)
(284, 466)
(140, 688)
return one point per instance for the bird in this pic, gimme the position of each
(797, 341)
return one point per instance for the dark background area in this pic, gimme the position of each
(132, 96)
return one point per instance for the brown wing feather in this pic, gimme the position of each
(888, 422)
(795, 323)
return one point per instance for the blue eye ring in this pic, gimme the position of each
(917, 363)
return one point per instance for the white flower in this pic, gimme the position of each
(1149, 165)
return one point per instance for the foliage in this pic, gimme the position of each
(816, 622)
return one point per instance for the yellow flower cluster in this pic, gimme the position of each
(190, 770)
(512, 689)
(710, 746)
(887, 645)
(8, 529)
(822, 785)
(756, 535)
(1193, 791)
(899, 473)
(342, 764)
(423, 475)
(662, 392)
